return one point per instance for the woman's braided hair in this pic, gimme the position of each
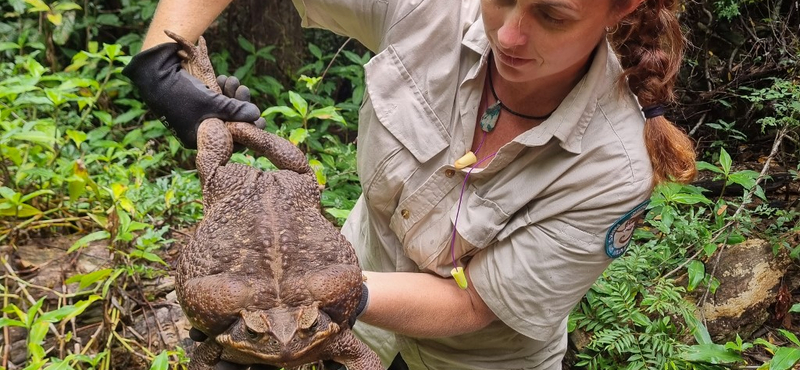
(650, 46)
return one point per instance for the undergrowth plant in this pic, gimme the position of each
(82, 158)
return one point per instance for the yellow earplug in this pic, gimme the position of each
(460, 276)
(467, 160)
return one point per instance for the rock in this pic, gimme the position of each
(750, 275)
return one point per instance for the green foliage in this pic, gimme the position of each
(80, 155)
(730, 9)
(781, 100)
(637, 315)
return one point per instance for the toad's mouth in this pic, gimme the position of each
(272, 352)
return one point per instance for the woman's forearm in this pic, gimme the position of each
(423, 305)
(188, 18)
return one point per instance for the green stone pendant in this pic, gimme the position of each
(489, 118)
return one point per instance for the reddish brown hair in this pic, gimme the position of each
(650, 46)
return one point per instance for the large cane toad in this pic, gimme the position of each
(266, 276)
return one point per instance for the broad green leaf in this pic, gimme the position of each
(161, 362)
(8, 46)
(37, 6)
(315, 51)
(68, 312)
(76, 187)
(32, 311)
(282, 109)
(37, 137)
(38, 332)
(785, 358)
(684, 198)
(300, 104)
(246, 45)
(4, 321)
(55, 18)
(104, 117)
(701, 165)
(112, 50)
(699, 331)
(82, 242)
(35, 194)
(9, 194)
(57, 315)
(77, 136)
(117, 190)
(795, 308)
(67, 5)
(21, 211)
(110, 280)
(789, 335)
(127, 205)
(327, 113)
(710, 248)
(310, 81)
(12, 308)
(319, 171)
(697, 272)
(93, 277)
(338, 213)
(152, 257)
(770, 347)
(735, 239)
(129, 115)
(36, 363)
(725, 160)
(107, 19)
(60, 365)
(298, 135)
(135, 226)
(81, 306)
(710, 353)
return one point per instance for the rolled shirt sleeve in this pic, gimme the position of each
(534, 277)
(364, 20)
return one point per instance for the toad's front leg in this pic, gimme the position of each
(353, 353)
(206, 355)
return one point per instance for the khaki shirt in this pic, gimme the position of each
(533, 223)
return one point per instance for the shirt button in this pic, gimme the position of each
(449, 173)
(405, 213)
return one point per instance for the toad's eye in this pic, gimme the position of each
(250, 333)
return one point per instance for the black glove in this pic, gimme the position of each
(362, 305)
(232, 88)
(199, 336)
(180, 100)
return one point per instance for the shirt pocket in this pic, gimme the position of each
(398, 130)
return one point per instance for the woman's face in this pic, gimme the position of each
(545, 39)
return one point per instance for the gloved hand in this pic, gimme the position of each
(232, 88)
(199, 336)
(180, 100)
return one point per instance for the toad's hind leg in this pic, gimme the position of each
(278, 150)
(214, 147)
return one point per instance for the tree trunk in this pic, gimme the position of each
(263, 23)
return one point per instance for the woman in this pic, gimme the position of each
(500, 143)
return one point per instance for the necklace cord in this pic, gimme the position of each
(506, 108)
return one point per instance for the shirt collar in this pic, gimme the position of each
(569, 121)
